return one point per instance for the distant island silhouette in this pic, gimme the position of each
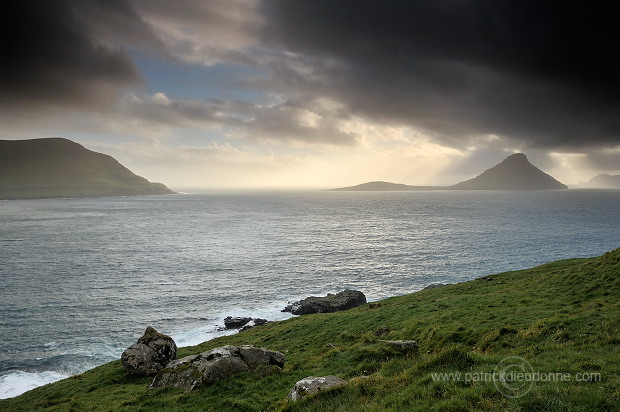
(604, 181)
(513, 173)
(56, 167)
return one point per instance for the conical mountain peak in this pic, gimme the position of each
(517, 157)
(513, 173)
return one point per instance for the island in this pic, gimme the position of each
(513, 173)
(58, 168)
(604, 181)
(380, 186)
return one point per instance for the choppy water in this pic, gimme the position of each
(80, 279)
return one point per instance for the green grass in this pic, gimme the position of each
(562, 317)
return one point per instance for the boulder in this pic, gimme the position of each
(150, 354)
(254, 356)
(344, 300)
(197, 371)
(313, 384)
(235, 322)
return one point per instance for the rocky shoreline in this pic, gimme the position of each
(154, 354)
(370, 353)
(347, 299)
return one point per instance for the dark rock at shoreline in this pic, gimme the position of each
(150, 354)
(344, 300)
(243, 323)
(197, 371)
(235, 322)
(254, 322)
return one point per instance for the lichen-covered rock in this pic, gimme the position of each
(254, 356)
(313, 384)
(344, 300)
(196, 371)
(150, 354)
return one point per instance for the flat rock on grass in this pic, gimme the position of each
(313, 384)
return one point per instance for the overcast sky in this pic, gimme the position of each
(316, 93)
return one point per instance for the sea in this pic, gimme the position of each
(81, 279)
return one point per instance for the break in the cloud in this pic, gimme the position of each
(205, 32)
(352, 82)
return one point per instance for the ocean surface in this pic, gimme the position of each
(80, 279)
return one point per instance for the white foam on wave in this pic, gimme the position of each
(60, 363)
(199, 335)
(215, 327)
(15, 383)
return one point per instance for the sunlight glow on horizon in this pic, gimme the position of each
(273, 94)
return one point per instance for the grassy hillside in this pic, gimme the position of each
(562, 318)
(56, 167)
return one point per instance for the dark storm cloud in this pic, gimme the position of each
(65, 53)
(541, 72)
